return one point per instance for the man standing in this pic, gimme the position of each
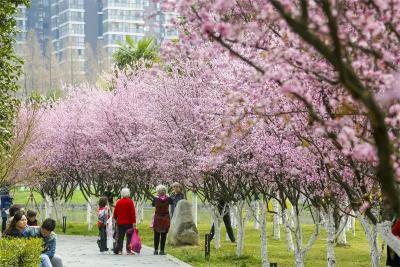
(46, 231)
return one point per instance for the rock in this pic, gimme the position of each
(183, 230)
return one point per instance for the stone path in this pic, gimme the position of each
(83, 251)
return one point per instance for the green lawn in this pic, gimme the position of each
(357, 254)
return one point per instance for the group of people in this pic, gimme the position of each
(18, 223)
(124, 215)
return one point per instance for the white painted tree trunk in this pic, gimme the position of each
(89, 213)
(256, 206)
(194, 207)
(241, 220)
(48, 206)
(264, 240)
(217, 233)
(372, 236)
(276, 227)
(288, 232)
(330, 230)
(342, 238)
(353, 223)
(385, 230)
(299, 250)
(232, 212)
(139, 204)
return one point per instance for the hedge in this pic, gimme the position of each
(20, 252)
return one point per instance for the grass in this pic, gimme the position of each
(356, 254)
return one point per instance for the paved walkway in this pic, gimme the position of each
(83, 251)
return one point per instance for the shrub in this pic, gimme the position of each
(20, 252)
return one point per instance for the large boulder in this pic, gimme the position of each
(183, 230)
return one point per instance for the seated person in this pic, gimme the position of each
(32, 221)
(46, 231)
(17, 225)
(14, 209)
(17, 228)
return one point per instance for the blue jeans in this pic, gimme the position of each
(45, 261)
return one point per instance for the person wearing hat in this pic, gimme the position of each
(176, 196)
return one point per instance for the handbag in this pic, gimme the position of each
(136, 243)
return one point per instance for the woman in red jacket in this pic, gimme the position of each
(125, 215)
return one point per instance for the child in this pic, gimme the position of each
(32, 221)
(102, 215)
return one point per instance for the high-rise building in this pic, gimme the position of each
(39, 20)
(119, 19)
(21, 20)
(68, 30)
(70, 24)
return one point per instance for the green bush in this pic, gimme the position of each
(20, 252)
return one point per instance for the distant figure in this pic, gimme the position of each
(32, 221)
(125, 215)
(102, 216)
(161, 219)
(227, 221)
(5, 204)
(110, 195)
(46, 232)
(176, 196)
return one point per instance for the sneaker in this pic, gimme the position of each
(130, 252)
(162, 252)
(155, 252)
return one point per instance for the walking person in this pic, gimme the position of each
(102, 215)
(161, 219)
(176, 196)
(125, 215)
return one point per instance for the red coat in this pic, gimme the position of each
(396, 228)
(124, 211)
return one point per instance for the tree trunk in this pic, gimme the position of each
(342, 238)
(241, 228)
(264, 240)
(139, 210)
(299, 250)
(256, 205)
(353, 224)
(299, 259)
(330, 230)
(89, 214)
(217, 235)
(48, 206)
(277, 230)
(288, 232)
(232, 212)
(372, 236)
(194, 207)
